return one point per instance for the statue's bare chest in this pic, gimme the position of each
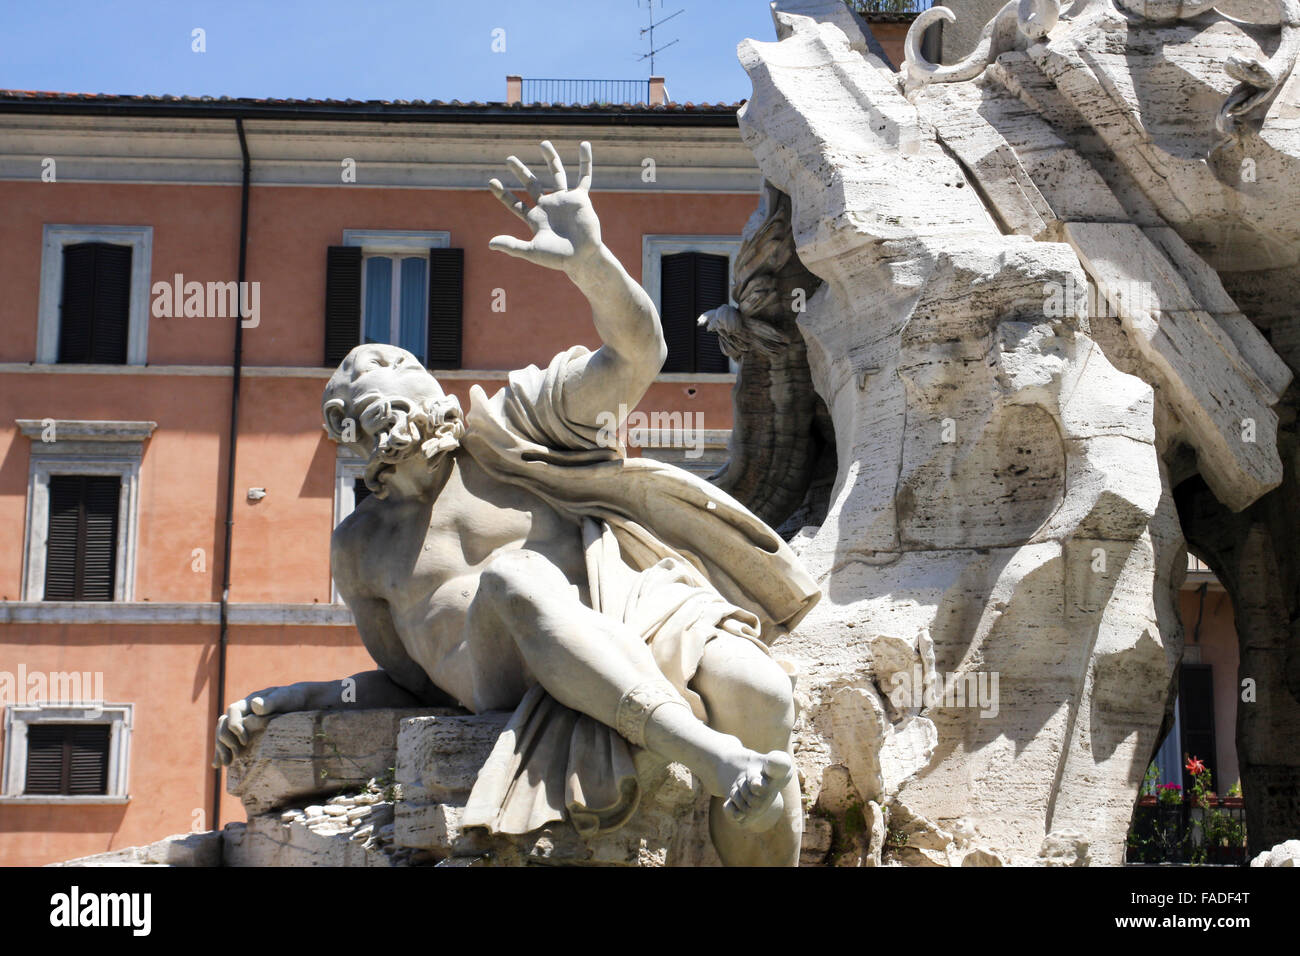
(445, 546)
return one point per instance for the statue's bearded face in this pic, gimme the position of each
(384, 404)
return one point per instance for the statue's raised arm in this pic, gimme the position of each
(566, 236)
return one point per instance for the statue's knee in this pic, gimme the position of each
(754, 690)
(513, 576)
(772, 696)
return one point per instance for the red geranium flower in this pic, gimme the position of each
(1195, 766)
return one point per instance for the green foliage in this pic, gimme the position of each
(855, 821)
(895, 837)
(1150, 781)
(1186, 827)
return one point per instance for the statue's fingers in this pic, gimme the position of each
(733, 809)
(224, 736)
(253, 723)
(280, 700)
(525, 177)
(555, 165)
(508, 200)
(584, 165)
(740, 795)
(527, 250)
(228, 740)
(225, 739)
(511, 246)
(235, 721)
(221, 755)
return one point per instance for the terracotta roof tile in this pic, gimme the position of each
(396, 106)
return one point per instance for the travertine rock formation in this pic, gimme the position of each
(409, 811)
(1025, 344)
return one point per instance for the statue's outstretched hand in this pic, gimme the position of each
(566, 232)
(244, 717)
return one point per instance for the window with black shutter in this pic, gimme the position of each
(690, 284)
(95, 304)
(1196, 716)
(67, 759)
(359, 491)
(378, 294)
(81, 543)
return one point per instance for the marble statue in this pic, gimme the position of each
(512, 558)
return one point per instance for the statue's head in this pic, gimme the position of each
(384, 404)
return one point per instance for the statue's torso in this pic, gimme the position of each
(425, 559)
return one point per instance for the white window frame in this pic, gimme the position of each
(654, 248)
(348, 467)
(18, 717)
(54, 238)
(398, 244)
(83, 448)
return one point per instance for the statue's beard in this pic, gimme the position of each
(429, 431)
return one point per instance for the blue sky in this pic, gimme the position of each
(369, 49)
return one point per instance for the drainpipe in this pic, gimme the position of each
(237, 364)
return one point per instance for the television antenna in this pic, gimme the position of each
(651, 31)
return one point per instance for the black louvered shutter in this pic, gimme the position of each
(359, 491)
(95, 304)
(446, 299)
(99, 551)
(87, 758)
(691, 283)
(1196, 715)
(67, 759)
(712, 276)
(342, 303)
(62, 542)
(677, 310)
(44, 759)
(77, 303)
(81, 543)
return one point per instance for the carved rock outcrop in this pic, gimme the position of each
(1021, 359)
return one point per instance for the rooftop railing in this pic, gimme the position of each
(584, 92)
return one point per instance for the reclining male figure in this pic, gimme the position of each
(472, 581)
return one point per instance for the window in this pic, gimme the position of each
(399, 288)
(360, 491)
(82, 509)
(66, 752)
(81, 541)
(67, 759)
(395, 303)
(692, 283)
(687, 276)
(1196, 716)
(349, 491)
(94, 300)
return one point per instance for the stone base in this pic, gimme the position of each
(383, 788)
(1284, 854)
(401, 781)
(181, 849)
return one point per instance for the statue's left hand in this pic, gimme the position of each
(566, 232)
(243, 717)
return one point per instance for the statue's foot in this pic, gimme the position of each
(753, 800)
